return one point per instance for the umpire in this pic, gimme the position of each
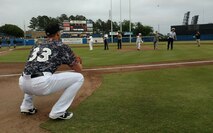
(39, 78)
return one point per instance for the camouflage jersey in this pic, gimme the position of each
(47, 57)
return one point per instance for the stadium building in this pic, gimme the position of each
(187, 31)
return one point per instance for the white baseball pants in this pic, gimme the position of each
(71, 82)
(90, 45)
(138, 45)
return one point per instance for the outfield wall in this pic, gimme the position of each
(191, 37)
(21, 42)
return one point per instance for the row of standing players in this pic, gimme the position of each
(139, 41)
(105, 39)
(171, 37)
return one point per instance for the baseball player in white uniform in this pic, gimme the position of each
(139, 41)
(90, 43)
(39, 78)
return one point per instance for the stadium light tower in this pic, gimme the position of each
(120, 18)
(111, 23)
(158, 23)
(24, 34)
(130, 39)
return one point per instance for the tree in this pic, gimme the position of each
(72, 17)
(62, 18)
(138, 28)
(125, 26)
(147, 30)
(43, 21)
(80, 17)
(99, 26)
(144, 30)
(116, 27)
(12, 30)
(33, 23)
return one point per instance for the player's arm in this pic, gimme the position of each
(70, 58)
(175, 36)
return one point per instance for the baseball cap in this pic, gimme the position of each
(52, 28)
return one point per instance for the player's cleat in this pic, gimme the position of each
(65, 116)
(29, 111)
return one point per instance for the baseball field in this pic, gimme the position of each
(125, 90)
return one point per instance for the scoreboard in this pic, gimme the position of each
(78, 26)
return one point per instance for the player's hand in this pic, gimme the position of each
(79, 60)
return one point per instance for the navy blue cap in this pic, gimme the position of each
(52, 29)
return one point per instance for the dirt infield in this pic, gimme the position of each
(11, 96)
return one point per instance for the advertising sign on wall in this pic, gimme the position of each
(72, 40)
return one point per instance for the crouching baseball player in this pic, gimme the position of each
(38, 77)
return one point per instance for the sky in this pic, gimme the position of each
(159, 14)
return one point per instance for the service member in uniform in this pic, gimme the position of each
(106, 47)
(171, 38)
(39, 78)
(119, 43)
(156, 40)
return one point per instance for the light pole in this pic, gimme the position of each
(120, 18)
(24, 34)
(111, 24)
(158, 23)
(130, 39)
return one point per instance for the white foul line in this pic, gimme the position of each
(149, 65)
(128, 67)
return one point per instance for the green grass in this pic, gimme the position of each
(163, 101)
(100, 57)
